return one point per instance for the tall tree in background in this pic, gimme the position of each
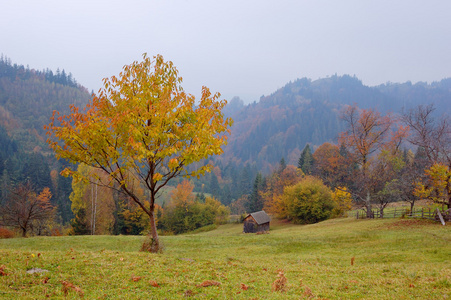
(433, 137)
(366, 132)
(305, 162)
(142, 127)
(256, 200)
(331, 166)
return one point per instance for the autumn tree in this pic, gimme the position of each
(274, 188)
(91, 204)
(142, 127)
(25, 210)
(343, 201)
(433, 137)
(331, 166)
(367, 131)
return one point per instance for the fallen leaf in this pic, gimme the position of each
(209, 283)
(154, 283)
(136, 278)
(2, 272)
(280, 284)
(244, 287)
(70, 286)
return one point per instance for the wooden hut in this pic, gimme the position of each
(256, 222)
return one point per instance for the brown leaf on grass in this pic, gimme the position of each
(308, 292)
(2, 272)
(352, 260)
(411, 285)
(154, 283)
(244, 287)
(280, 284)
(67, 286)
(136, 278)
(45, 280)
(189, 293)
(209, 283)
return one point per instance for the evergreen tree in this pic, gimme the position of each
(215, 190)
(282, 165)
(305, 162)
(78, 223)
(256, 201)
(227, 197)
(245, 183)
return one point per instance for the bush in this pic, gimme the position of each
(343, 202)
(5, 233)
(309, 201)
(181, 217)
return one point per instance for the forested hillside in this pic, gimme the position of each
(27, 99)
(307, 112)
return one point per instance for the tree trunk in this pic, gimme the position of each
(152, 244)
(369, 212)
(153, 230)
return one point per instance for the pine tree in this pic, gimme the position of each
(282, 165)
(215, 190)
(256, 201)
(305, 162)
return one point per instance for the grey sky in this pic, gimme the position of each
(238, 48)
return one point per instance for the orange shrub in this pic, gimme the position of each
(5, 233)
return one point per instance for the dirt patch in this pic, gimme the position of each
(411, 223)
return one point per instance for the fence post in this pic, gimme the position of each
(394, 215)
(422, 212)
(441, 217)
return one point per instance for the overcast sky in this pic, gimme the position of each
(238, 48)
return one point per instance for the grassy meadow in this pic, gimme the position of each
(335, 259)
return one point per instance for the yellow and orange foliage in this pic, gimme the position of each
(142, 125)
(438, 188)
(343, 201)
(275, 184)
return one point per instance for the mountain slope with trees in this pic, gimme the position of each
(307, 112)
(28, 98)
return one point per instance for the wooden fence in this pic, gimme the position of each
(421, 212)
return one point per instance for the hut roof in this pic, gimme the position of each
(260, 217)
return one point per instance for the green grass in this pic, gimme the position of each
(393, 259)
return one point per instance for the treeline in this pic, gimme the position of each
(15, 71)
